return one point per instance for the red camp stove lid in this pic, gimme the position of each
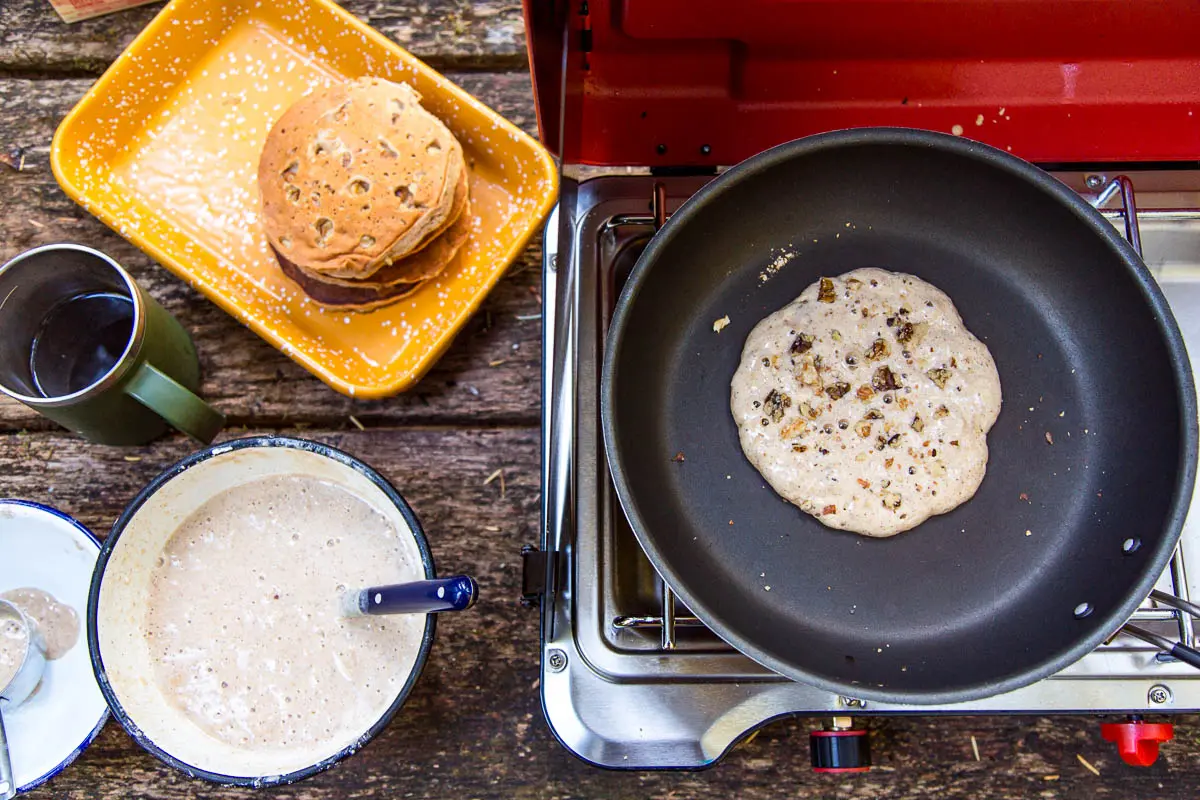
(706, 82)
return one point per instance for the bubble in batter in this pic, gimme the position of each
(243, 622)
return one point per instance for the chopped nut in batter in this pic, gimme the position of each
(775, 404)
(940, 376)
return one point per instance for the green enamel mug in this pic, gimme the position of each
(82, 344)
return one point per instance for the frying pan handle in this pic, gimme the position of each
(1177, 603)
(1179, 650)
(1123, 185)
(1186, 654)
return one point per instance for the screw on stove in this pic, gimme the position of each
(556, 660)
(852, 702)
(1160, 695)
(1094, 182)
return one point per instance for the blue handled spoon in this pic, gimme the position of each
(418, 597)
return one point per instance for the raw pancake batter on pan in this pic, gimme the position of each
(866, 402)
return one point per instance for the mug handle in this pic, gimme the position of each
(173, 402)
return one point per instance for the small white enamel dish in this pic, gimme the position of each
(48, 550)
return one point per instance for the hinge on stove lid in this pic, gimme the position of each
(685, 171)
(585, 34)
(539, 574)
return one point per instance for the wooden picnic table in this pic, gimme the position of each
(474, 725)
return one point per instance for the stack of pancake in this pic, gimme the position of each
(364, 194)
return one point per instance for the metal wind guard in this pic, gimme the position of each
(629, 677)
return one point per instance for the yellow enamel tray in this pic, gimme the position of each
(164, 149)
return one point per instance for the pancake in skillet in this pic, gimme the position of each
(866, 402)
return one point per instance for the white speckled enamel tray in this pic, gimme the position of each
(165, 147)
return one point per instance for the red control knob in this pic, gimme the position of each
(1138, 741)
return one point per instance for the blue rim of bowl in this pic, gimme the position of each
(114, 536)
(87, 740)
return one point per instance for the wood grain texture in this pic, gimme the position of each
(448, 34)
(474, 726)
(244, 376)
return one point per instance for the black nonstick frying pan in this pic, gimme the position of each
(967, 604)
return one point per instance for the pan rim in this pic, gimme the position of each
(1150, 293)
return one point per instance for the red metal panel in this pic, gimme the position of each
(688, 82)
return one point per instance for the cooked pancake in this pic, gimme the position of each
(345, 299)
(420, 266)
(427, 261)
(356, 177)
(369, 294)
(866, 402)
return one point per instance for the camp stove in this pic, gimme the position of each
(644, 103)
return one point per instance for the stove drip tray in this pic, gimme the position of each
(630, 679)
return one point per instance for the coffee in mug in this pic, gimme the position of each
(83, 344)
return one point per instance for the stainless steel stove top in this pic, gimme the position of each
(629, 677)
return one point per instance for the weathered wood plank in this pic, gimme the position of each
(245, 377)
(474, 727)
(30, 109)
(448, 34)
(439, 469)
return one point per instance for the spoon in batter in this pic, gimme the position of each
(418, 597)
(22, 660)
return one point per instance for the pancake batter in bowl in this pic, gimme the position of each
(14, 641)
(57, 622)
(244, 627)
